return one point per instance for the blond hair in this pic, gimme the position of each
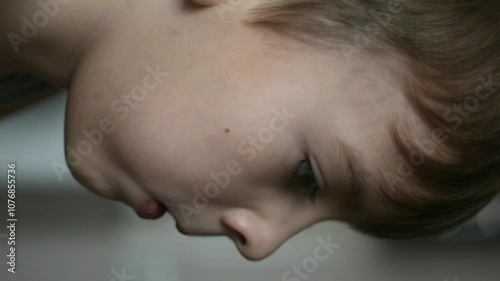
(452, 51)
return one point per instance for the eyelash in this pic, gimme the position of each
(303, 174)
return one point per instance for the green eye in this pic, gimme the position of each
(304, 176)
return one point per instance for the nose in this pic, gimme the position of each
(254, 237)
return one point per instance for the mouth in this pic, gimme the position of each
(151, 209)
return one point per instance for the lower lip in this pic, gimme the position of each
(151, 209)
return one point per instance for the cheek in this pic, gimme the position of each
(171, 159)
(173, 145)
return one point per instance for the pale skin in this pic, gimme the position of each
(217, 89)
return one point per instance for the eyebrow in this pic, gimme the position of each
(358, 175)
(362, 181)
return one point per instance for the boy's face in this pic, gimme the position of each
(219, 139)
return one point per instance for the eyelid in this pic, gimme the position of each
(317, 172)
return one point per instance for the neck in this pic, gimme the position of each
(48, 37)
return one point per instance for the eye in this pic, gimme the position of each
(304, 176)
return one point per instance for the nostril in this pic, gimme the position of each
(235, 236)
(241, 239)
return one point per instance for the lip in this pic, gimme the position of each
(151, 209)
